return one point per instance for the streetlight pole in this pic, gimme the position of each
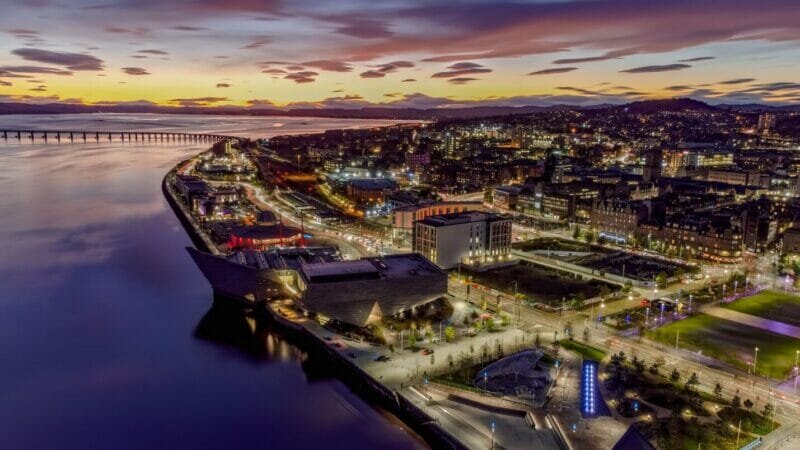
(755, 363)
(796, 370)
(738, 432)
(493, 427)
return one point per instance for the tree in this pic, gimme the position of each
(556, 347)
(589, 237)
(412, 338)
(604, 291)
(505, 320)
(748, 404)
(693, 381)
(627, 287)
(490, 323)
(578, 301)
(674, 376)
(618, 359)
(638, 364)
(661, 279)
(736, 402)
(576, 232)
(449, 334)
(768, 410)
(718, 391)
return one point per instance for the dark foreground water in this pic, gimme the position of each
(108, 337)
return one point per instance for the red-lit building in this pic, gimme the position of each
(263, 237)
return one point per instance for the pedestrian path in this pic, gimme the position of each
(754, 321)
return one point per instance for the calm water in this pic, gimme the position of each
(108, 339)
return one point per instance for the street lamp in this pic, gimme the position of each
(493, 427)
(755, 362)
(796, 369)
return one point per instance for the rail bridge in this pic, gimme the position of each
(134, 136)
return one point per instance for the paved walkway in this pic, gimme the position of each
(754, 321)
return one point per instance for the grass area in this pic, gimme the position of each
(772, 305)
(539, 284)
(587, 351)
(732, 343)
(752, 422)
(556, 244)
(680, 434)
(671, 399)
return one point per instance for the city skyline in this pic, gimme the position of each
(426, 55)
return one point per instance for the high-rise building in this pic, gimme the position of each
(469, 238)
(766, 122)
(652, 165)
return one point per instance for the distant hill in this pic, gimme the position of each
(672, 104)
(639, 107)
(359, 113)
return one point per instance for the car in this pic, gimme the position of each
(383, 358)
(427, 351)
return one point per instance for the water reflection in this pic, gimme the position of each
(246, 330)
(106, 336)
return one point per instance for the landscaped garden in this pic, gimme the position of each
(585, 350)
(673, 411)
(772, 305)
(732, 343)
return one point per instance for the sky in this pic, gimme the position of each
(356, 53)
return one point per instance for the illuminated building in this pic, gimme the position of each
(473, 238)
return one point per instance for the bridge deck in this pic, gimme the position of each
(97, 134)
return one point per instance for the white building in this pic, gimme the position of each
(472, 238)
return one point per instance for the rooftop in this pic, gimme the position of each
(444, 220)
(373, 183)
(389, 266)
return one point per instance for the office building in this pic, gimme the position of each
(472, 238)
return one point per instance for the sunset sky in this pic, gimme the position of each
(354, 53)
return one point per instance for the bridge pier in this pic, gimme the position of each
(132, 136)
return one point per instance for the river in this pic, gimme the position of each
(108, 337)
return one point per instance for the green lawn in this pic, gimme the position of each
(587, 351)
(732, 343)
(771, 305)
(539, 284)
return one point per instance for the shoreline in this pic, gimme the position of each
(354, 377)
